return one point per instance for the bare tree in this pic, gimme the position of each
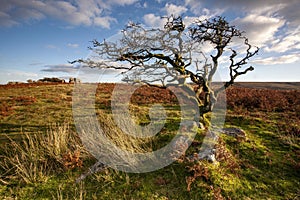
(175, 54)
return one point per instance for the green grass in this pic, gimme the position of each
(49, 104)
(268, 163)
(264, 166)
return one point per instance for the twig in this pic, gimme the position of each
(98, 166)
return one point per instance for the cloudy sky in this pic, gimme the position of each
(39, 37)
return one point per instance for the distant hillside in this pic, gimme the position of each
(270, 85)
(257, 85)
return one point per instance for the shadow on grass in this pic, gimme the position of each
(15, 131)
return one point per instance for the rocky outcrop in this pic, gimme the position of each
(208, 149)
(14, 82)
(51, 80)
(74, 80)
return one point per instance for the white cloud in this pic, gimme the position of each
(195, 6)
(29, 14)
(76, 12)
(289, 9)
(65, 11)
(36, 63)
(66, 68)
(122, 2)
(140, 5)
(51, 46)
(153, 20)
(265, 22)
(285, 59)
(291, 12)
(260, 30)
(104, 21)
(189, 20)
(288, 42)
(75, 69)
(174, 9)
(6, 20)
(145, 5)
(73, 45)
(16, 75)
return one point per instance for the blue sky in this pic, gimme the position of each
(39, 37)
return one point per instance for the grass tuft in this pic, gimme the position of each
(35, 157)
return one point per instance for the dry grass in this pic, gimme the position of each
(79, 193)
(34, 157)
(117, 147)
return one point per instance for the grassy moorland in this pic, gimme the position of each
(41, 155)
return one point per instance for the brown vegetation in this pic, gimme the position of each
(263, 99)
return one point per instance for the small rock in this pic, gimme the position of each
(208, 154)
(234, 132)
